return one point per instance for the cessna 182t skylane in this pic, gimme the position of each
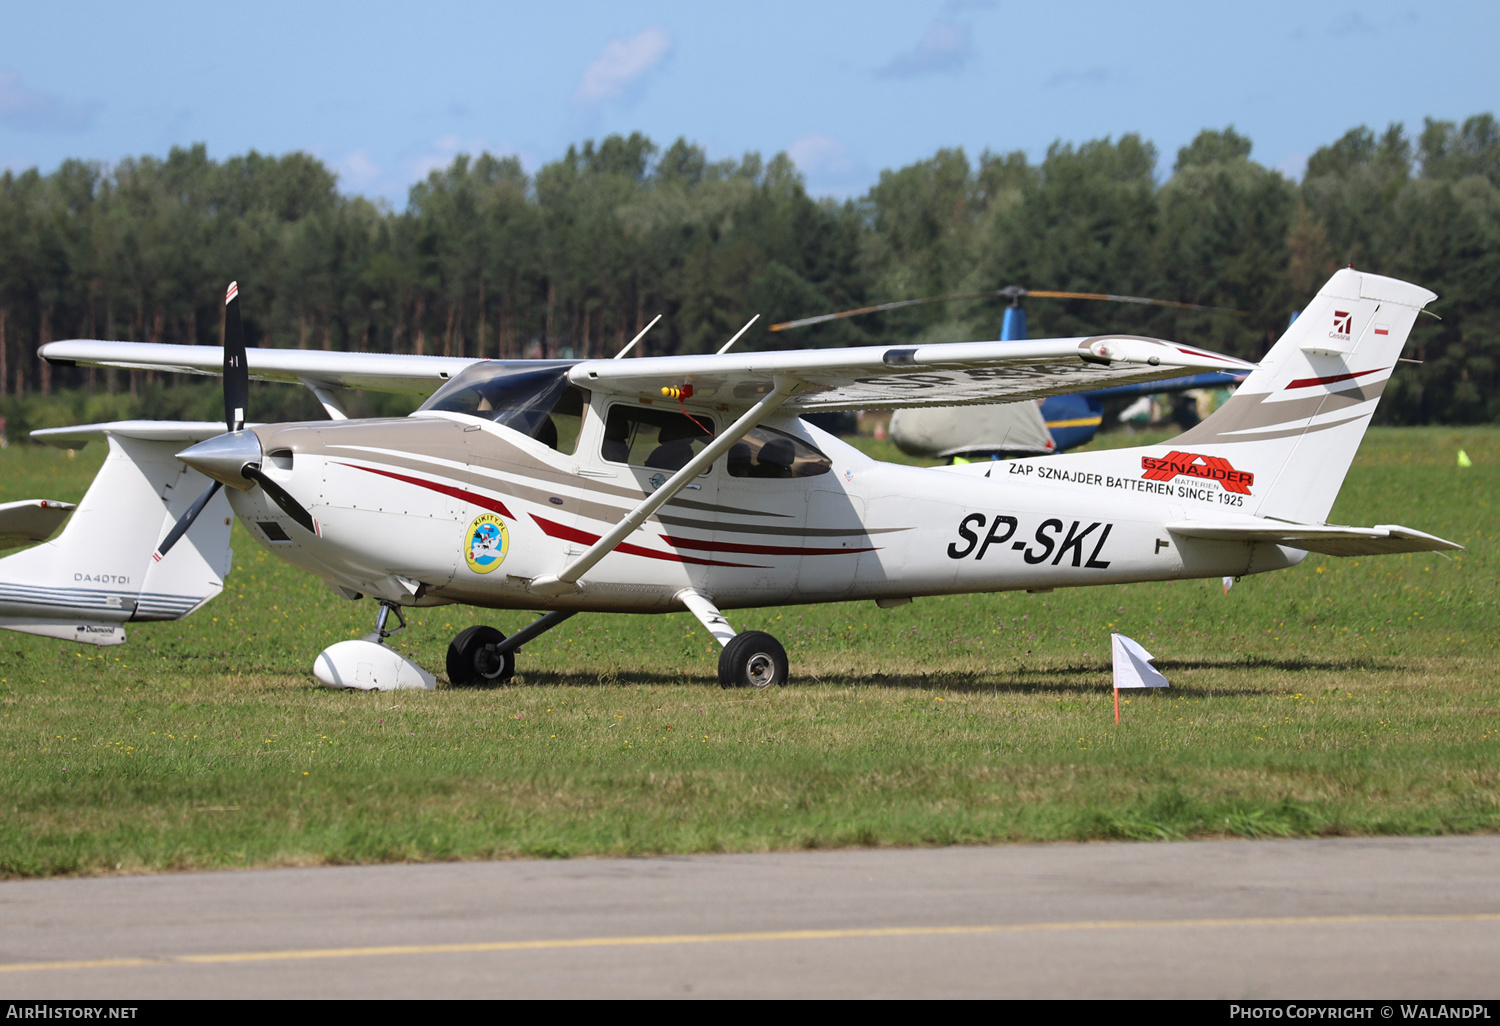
(660, 484)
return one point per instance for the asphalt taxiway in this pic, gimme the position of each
(1341, 918)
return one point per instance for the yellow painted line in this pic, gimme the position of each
(1080, 422)
(740, 938)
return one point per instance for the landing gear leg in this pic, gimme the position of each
(386, 609)
(749, 659)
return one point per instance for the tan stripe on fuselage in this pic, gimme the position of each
(1244, 413)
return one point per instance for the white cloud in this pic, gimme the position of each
(621, 65)
(357, 171)
(947, 46)
(440, 154)
(820, 155)
(828, 167)
(1294, 166)
(25, 108)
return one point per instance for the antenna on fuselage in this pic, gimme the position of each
(725, 347)
(631, 344)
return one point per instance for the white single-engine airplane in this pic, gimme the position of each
(660, 484)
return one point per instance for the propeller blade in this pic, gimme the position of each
(1011, 292)
(184, 522)
(279, 495)
(236, 374)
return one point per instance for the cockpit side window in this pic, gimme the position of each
(767, 452)
(537, 401)
(567, 421)
(658, 439)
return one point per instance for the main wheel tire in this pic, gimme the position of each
(472, 661)
(752, 659)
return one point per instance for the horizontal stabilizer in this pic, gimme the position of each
(1332, 540)
(31, 520)
(79, 435)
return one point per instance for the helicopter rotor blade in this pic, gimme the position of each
(1106, 297)
(1012, 292)
(805, 321)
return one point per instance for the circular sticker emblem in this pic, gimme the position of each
(486, 543)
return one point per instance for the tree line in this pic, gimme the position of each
(487, 260)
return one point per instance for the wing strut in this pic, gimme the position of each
(565, 581)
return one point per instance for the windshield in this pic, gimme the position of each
(534, 398)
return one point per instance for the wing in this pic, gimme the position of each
(376, 372)
(1331, 539)
(876, 377)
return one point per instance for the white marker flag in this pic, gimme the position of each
(1133, 667)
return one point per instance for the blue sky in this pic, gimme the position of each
(384, 92)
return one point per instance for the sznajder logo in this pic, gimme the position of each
(1188, 464)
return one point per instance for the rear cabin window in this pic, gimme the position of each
(539, 402)
(767, 452)
(658, 439)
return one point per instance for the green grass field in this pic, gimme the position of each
(1345, 696)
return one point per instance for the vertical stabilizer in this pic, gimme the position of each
(1292, 429)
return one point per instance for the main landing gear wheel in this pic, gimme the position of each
(752, 659)
(472, 659)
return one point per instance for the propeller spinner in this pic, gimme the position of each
(233, 458)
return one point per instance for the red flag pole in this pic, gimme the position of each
(1117, 707)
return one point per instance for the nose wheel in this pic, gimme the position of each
(475, 659)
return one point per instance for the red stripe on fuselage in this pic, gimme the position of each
(555, 530)
(1306, 382)
(493, 505)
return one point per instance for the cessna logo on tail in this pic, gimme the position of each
(1343, 324)
(1188, 464)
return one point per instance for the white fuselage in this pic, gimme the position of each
(441, 508)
